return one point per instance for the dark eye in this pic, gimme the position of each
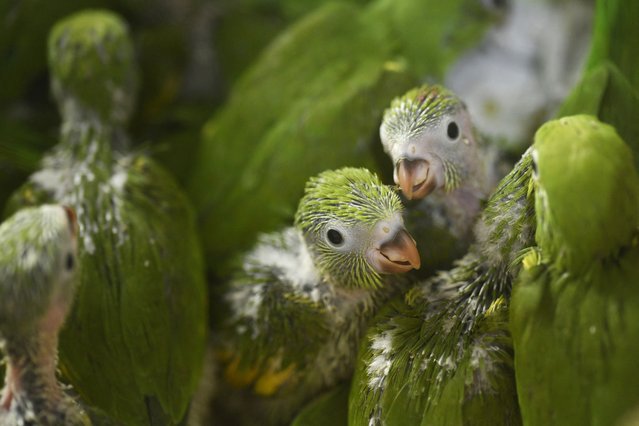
(534, 168)
(335, 237)
(452, 131)
(69, 262)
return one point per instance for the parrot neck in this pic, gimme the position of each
(30, 377)
(460, 208)
(87, 164)
(508, 223)
(91, 140)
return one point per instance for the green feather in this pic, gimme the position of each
(574, 308)
(142, 285)
(299, 305)
(312, 101)
(418, 108)
(444, 354)
(353, 197)
(37, 285)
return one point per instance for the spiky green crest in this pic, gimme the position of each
(90, 47)
(587, 190)
(34, 264)
(421, 107)
(352, 200)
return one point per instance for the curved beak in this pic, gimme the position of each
(415, 178)
(73, 220)
(396, 255)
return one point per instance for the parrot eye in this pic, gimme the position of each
(69, 262)
(534, 169)
(335, 237)
(452, 131)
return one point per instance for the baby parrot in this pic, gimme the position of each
(438, 158)
(134, 343)
(304, 295)
(312, 102)
(38, 263)
(443, 354)
(573, 312)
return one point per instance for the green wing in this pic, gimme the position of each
(609, 86)
(576, 341)
(141, 307)
(329, 409)
(284, 329)
(313, 101)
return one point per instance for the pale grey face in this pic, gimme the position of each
(38, 262)
(385, 245)
(438, 155)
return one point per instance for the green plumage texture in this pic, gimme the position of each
(35, 245)
(574, 307)
(609, 86)
(443, 354)
(329, 409)
(298, 303)
(135, 339)
(285, 118)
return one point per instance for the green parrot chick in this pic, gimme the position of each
(431, 140)
(304, 295)
(135, 341)
(575, 305)
(435, 149)
(439, 161)
(564, 179)
(443, 355)
(37, 286)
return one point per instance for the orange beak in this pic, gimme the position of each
(415, 178)
(398, 255)
(73, 220)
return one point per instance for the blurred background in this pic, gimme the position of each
(192, 52)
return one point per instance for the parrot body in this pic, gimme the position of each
(442, 355)
(134, 344)
(337, 68)
(575, 306)
(440, 161)
(37, 270)
(304, 295)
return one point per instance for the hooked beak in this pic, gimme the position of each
(73, 220)
(415, 178)
(396, 255)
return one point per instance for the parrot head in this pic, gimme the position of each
(431, 140)
(354, 227)
(586, 190)
(90, 47)
(37, 268)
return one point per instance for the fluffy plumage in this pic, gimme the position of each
(439, 159)
(37, 284)
(574, 309)
(443, 354)
(303, 296)
(135, 340)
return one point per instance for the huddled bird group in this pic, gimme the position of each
(477, 290)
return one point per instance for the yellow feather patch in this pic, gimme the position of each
(268, 383)
(239, 378)
(531, 259)
(495, 306)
